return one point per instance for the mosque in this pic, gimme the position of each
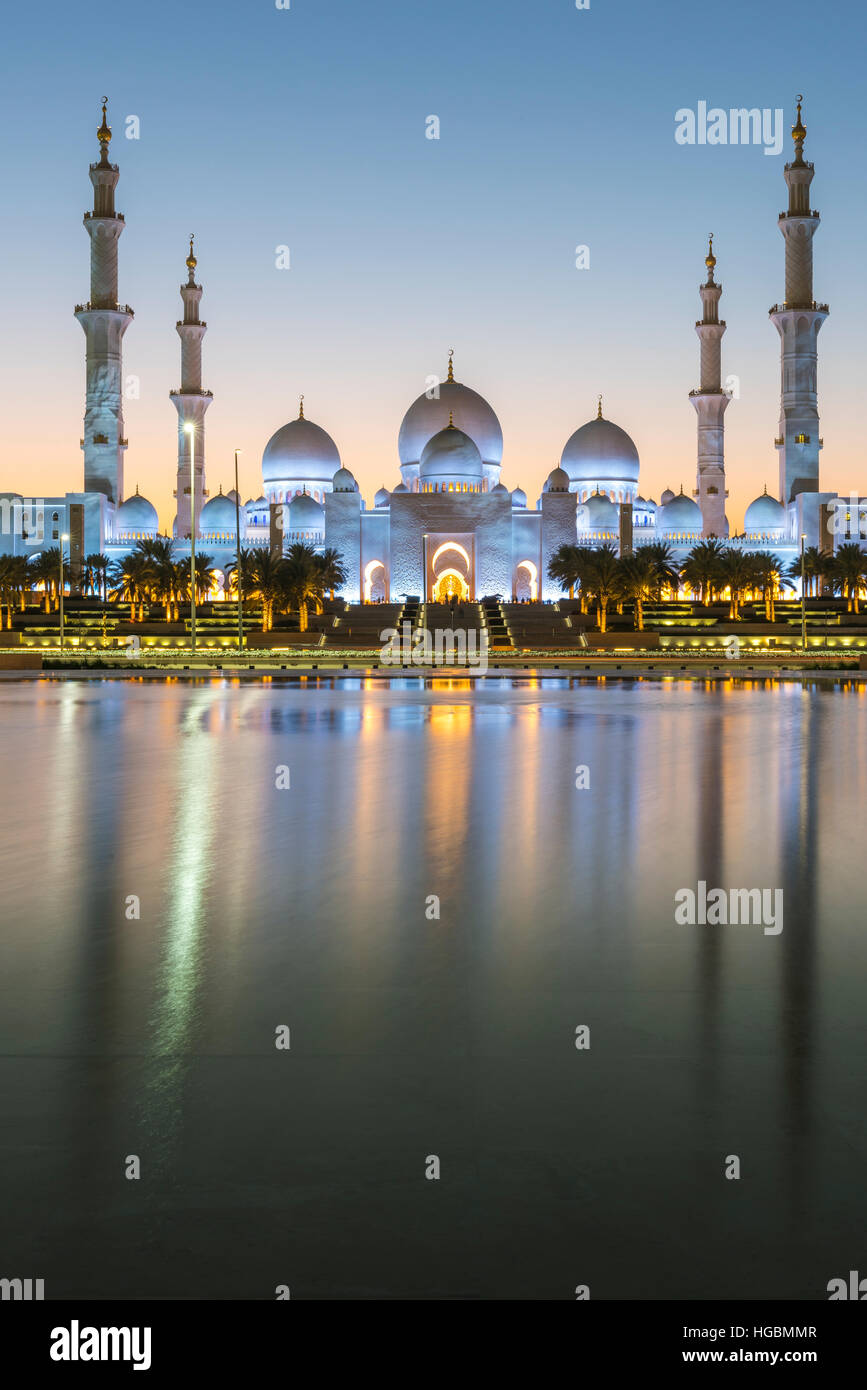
(450, 526)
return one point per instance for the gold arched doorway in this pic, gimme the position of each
(450, 584)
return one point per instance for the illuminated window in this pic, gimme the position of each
(802, 439)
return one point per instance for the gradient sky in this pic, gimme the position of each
(306, 127)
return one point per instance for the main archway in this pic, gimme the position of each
(450, 584)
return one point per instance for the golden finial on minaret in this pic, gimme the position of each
(710, 258)
(300, 407)
(451, 375)
(103, 135)
(599, 409)
(191, 258)
(799, 130)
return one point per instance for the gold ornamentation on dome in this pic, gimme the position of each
(451, 424)
(300, 407)
(799, 131)
(451, 375)
(191, 259)
(103, 135)
(599, 409)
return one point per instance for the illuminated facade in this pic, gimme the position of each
(450, 527)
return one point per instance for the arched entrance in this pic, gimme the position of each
(450, 571)
(450, 584)
(526, 581)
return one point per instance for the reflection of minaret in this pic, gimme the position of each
(710, 402)
(191, 402)
(104, 322)
(798, 321)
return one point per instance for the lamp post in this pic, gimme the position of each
(190, 429)
(62, 540)
(803, 595)
(238, 576)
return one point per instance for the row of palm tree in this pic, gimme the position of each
(710, 571)
(150, 575)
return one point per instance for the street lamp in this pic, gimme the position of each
(190, 429)
(62, 540)
(803, 595)
(238, 570)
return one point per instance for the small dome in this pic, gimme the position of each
(299, 452)
(500, 488)
(401, 487)
(344, 481)
(306, 514)
(599, 513)
(667, 496)
(600, 452)
(680, 514)
(764, 514)
(134, 515)
(451, 456)
(519, 497)
(382, 497)
(218, 516)
(557, 481)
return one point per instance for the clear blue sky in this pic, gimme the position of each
(306, 127)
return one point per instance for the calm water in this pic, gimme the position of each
(413, 1037)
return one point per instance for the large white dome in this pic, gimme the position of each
(135, 517)
(763, 515)
(679, 515)
(471, 413)
(600, 452)
(300, 452)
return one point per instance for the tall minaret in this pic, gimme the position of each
(104, 322)
(710, 402)
(798, 322)
(191, 402)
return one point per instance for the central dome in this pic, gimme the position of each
(600, 452)
(300, 452)
(472, 414)
(451, 457)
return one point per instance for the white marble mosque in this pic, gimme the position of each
(450, 525)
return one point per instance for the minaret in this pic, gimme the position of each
(191, 402)
(710, 402)
(798, 322)
(104, 322)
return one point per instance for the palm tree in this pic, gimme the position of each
(667, 574)
(815, 565)
(638, 576)
(700, 569)
(333, 571)
(770, 578)
(266, 582)
(848, 572)
(205, 574)
(8, 588)
(302, 579)
(565, 567)
(244, 563)
(735, 574)
(159, 567)
(129, 582)
(601, 578)
(45, 570)
(22, 579)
